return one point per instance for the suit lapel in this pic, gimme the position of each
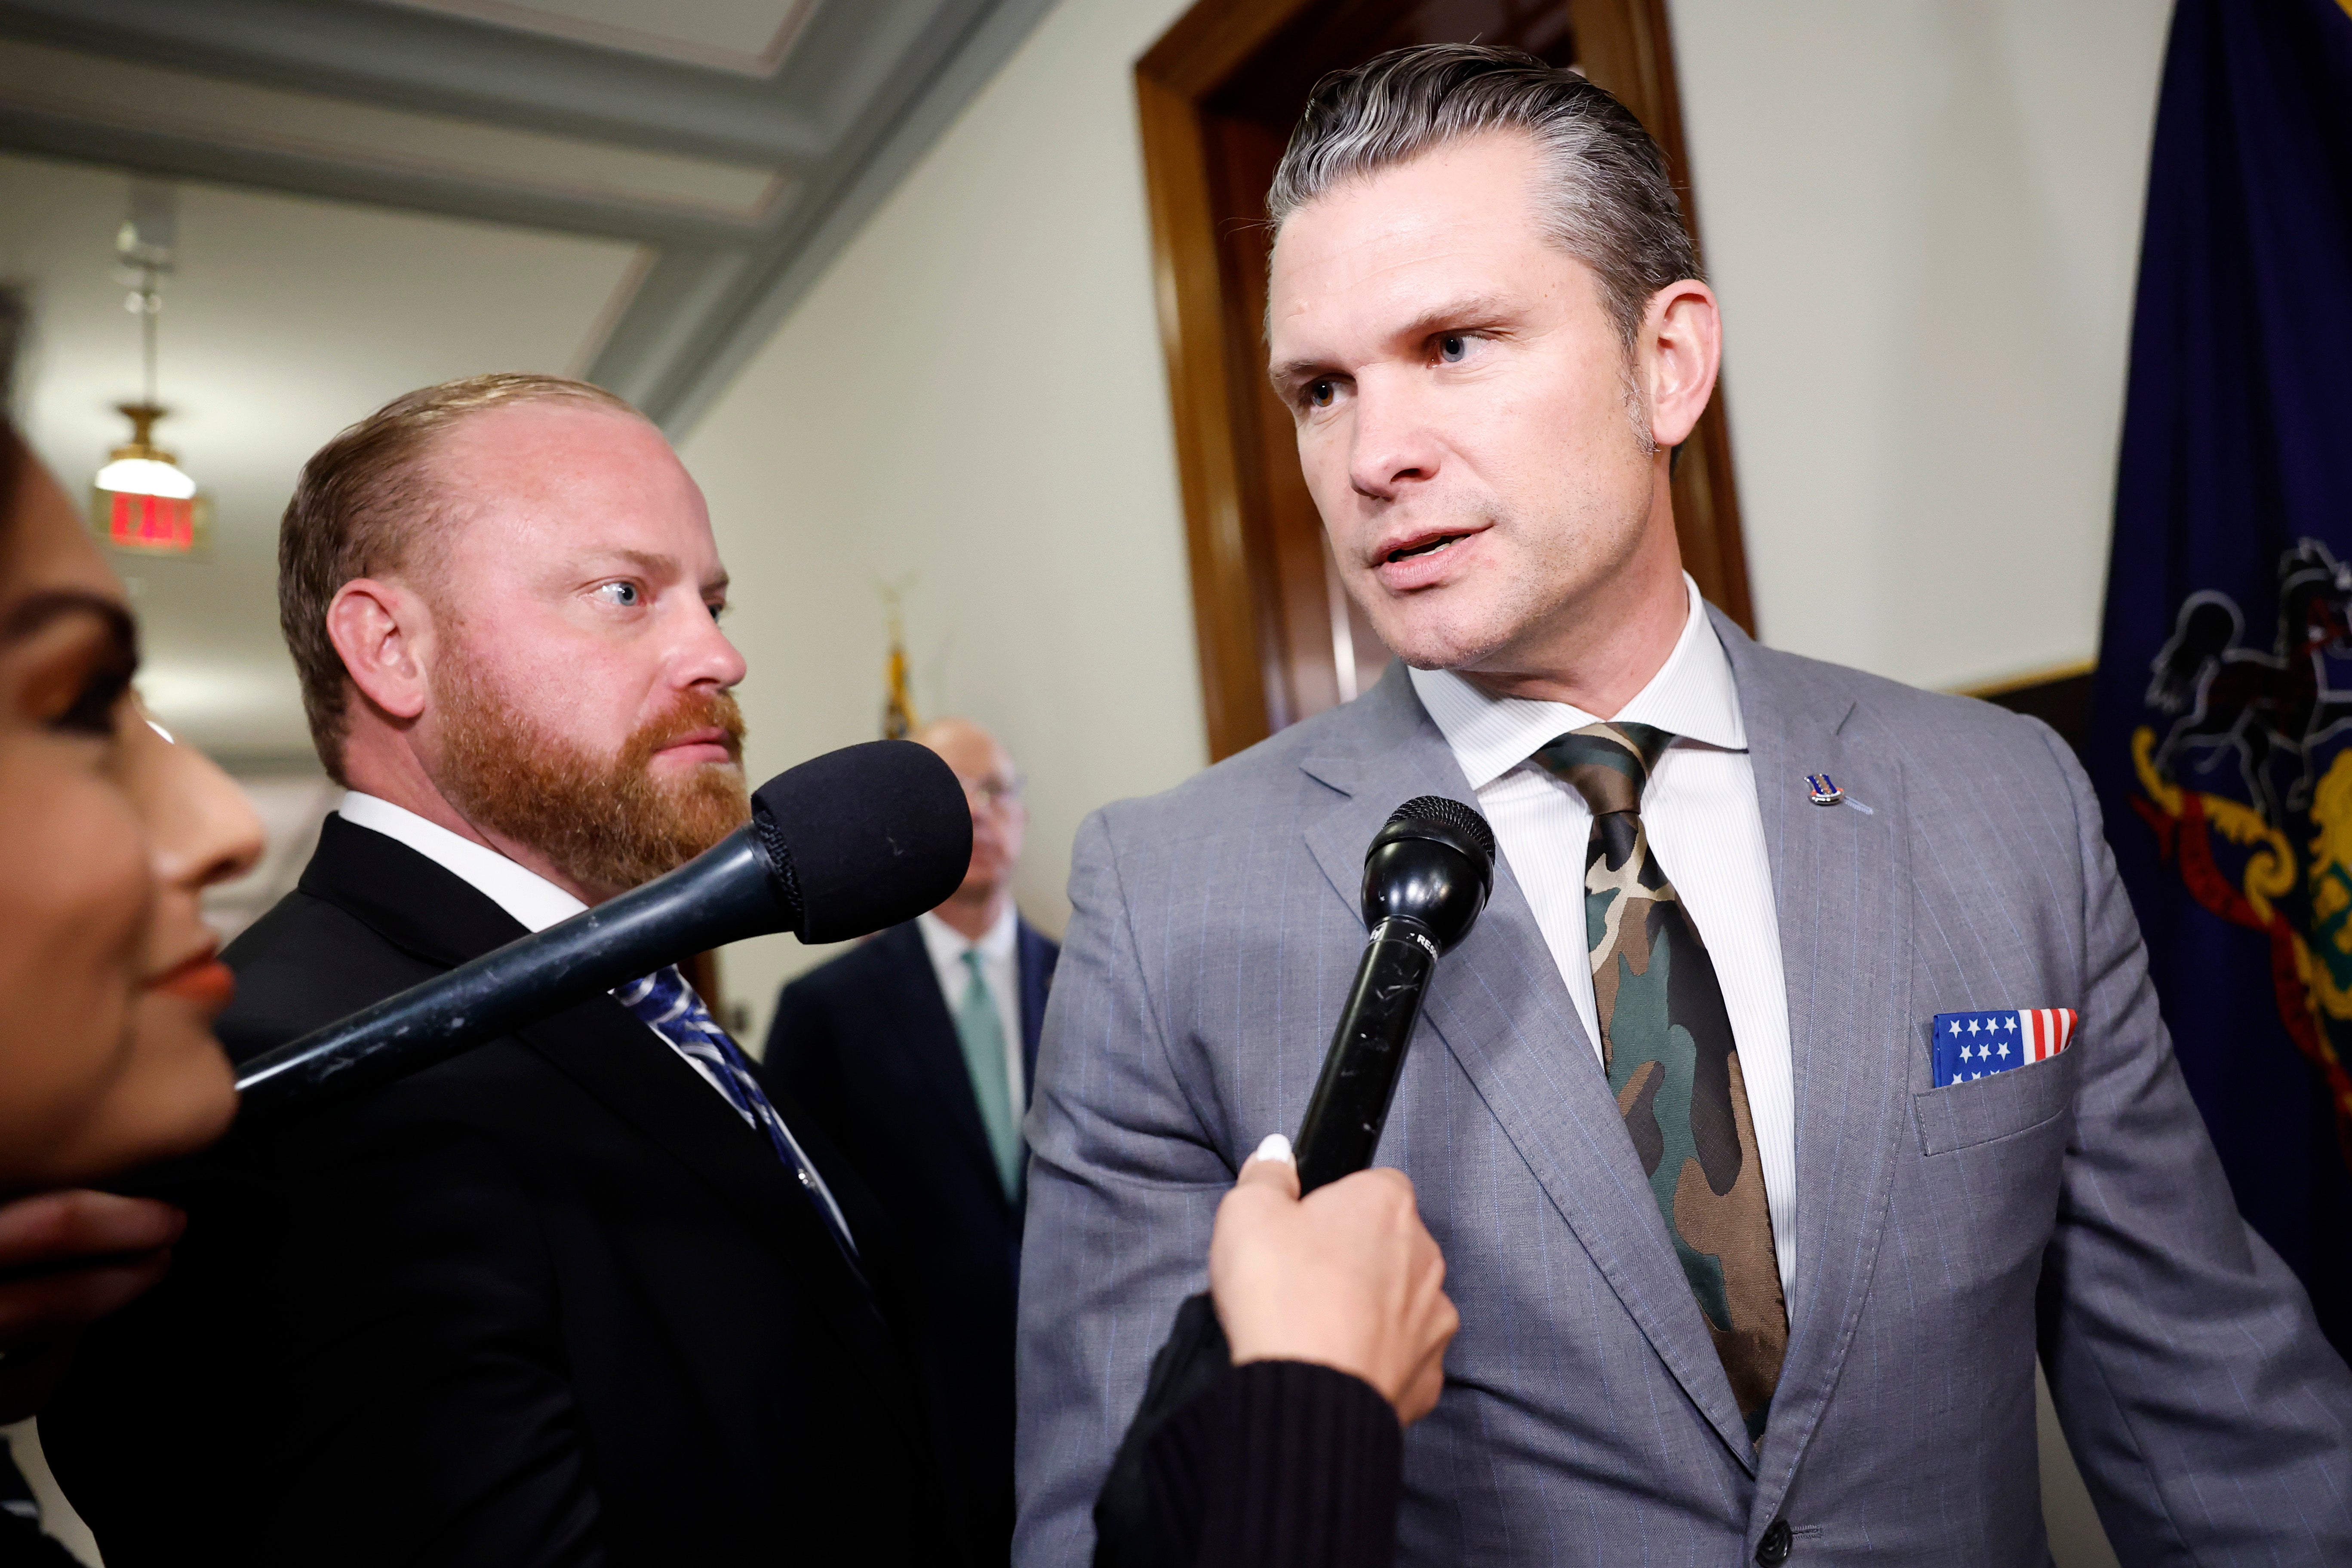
(1035, 957)
(1499, 1005)
(1840, 883)
(417, 905)
(930, 1031)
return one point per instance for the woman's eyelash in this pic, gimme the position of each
(92, 712)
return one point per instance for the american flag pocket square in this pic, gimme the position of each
(1969, 1045)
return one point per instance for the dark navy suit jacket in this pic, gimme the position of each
(866, 1047)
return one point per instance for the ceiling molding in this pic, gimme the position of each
(764, 62)
(175, 155)
(449, 65)
(70, 89)
(829, 216)
(863, 90)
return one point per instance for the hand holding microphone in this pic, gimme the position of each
(1347, 1275)
(1346, 1278)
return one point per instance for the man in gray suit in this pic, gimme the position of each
(1737, 1279)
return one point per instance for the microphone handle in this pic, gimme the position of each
(723, 896)
(1350, 1105)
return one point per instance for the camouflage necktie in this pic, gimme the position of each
(1666, 1046)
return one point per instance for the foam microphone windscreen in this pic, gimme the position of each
(867, 833)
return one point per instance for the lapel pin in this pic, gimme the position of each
(1825, 789)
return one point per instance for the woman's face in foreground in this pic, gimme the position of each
(109, 835)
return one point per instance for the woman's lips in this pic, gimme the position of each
(204, 980)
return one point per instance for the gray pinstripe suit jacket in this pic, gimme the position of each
(1943, 1234)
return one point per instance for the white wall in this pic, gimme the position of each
(1923, 220)
(973, 397)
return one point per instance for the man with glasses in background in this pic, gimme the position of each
(915, 1052)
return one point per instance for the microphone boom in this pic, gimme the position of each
(845, 844)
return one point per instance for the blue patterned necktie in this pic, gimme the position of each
(668, 1006)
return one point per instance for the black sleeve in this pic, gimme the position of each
(1282, 1463)
(356, 1358)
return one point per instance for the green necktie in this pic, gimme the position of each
(1667, 1045)
(982, 1030)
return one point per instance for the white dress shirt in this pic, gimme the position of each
(1701, 815)
(1000, 965)
(536, 904)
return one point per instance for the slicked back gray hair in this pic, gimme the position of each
(1608, 201)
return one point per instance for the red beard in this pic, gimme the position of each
(607, 822)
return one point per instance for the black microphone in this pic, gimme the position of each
(1427, 875)
(845, 844)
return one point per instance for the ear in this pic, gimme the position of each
(384, 633)
(1681, 346)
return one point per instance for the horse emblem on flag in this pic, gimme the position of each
(2276, 860)
(2259, 704)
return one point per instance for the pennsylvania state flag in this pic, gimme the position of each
(2220, 738)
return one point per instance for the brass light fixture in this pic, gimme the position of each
(142, 500)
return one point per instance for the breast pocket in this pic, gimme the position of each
(1963, 1115)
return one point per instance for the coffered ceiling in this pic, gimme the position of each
(377, 194)
(752, 37)
(736, 143)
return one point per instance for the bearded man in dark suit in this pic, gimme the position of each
(913, 1052)
(585, 1295)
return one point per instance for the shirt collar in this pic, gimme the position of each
(1692, 697)
(528, 897)
(948, 945)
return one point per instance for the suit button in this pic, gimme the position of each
(1773, 1549)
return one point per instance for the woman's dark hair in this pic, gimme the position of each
(13, 454)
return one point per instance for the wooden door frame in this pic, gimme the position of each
(1195, 57)
(1211, 378)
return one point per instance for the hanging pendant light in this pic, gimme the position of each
(149, 502)
(142, 498)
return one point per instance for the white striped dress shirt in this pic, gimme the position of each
(1704, 826)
